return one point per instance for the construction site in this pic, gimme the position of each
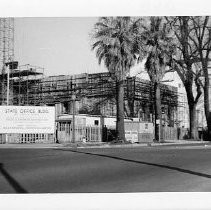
(94, 94)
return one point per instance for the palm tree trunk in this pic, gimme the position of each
(157, 112)
(120, 128)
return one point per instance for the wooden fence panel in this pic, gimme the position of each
(169, 133)
(93, 134)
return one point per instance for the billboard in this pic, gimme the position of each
(27, 119)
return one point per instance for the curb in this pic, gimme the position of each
(142, 145)
(57, 146)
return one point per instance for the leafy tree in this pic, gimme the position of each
(159, 50)
(201, 38)
(116, 44)
(193, 48)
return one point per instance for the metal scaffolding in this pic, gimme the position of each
(21, 81)
(6, 52)
(96, 94)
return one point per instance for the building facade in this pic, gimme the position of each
(94, 94)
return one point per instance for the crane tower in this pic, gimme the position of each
(6, 52)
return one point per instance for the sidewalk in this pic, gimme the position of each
(166, 143)
(105, 145)
(30, 146)
(188, 142)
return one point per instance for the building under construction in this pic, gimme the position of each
(95, 93)
(20, 82)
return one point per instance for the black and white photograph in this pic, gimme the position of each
(105, 110)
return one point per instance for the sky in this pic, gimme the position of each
(59, 45)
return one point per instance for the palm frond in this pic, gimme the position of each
(117, 43)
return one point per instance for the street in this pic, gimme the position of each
(140, 169)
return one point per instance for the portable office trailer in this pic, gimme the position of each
(87, 128)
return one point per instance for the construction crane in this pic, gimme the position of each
(6, 56)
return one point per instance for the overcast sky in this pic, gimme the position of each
(60, 45)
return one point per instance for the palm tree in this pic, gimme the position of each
(159, 48)
(116, 44)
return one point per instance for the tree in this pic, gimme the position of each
(159, 49)
(115, 42)
(201, 38)
(189, 37)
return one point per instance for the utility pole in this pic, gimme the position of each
(73, 120)
(8, 84)
(8, 91)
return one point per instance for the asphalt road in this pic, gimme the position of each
(144, 169)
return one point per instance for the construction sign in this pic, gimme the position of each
(27, 119)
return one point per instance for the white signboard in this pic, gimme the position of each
(146, 128)
(27, 119)
(131, 136)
